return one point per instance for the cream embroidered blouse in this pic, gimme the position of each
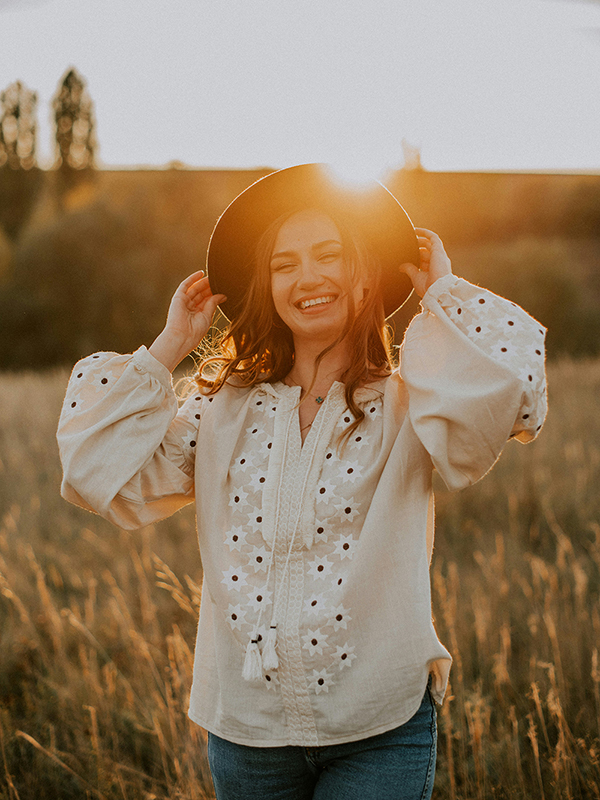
(329, 547)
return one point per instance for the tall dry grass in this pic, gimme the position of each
(97, 625)
(516, 579)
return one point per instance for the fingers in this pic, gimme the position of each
(410, 270)
(191, 279)
(197, 291)
(194, 297)
(219, 298)
(425, 233)
(425, 248)
(200, 288)
(205, 301)
(212, 303)
(429, 239)
(424, 255)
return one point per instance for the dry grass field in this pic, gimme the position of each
(97, 625)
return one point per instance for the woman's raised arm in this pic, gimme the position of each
(127, 451)
(473, 364)
(190, 315)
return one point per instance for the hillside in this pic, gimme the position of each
(90, 262)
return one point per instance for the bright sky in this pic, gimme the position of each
(475, 84)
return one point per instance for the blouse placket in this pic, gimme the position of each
(296, 479)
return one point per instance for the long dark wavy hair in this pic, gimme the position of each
(258, 346)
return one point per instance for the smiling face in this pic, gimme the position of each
(310, 279)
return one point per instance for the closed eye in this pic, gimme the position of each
(327, 257)
(286, 267)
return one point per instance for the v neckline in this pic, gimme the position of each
(331, 396)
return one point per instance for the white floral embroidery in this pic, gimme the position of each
(265, 446)
(344, 547)
(270, 410)
(320, 681)
(526, 373)
(325, 490)
(373, 410)
(255, 519)
(477, 329)
(236, 538)
(234, 578)
(347, 510)
(320, 567)
(255, 430)
(513, 325)
(502, 351)
(314, 641)
(323, 530)
(238, 498)
(345, 655)
(359, 439)
(340, 618)
(236, 615)
(257, 481)
(350, 471)
(242, 463)
(260, 599)
(259, 559)
(271, 680)
(315, 604)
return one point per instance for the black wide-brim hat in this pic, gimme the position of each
(371, 211)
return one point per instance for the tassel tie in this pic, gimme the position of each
(252, 662)
(256, 662)
(270, 660)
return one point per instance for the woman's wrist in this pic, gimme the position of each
(170, 351)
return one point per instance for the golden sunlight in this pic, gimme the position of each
(358, 172)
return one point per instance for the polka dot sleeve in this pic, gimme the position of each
(507, 334)
(127, 449)
(473, 366)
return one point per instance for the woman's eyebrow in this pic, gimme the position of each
(327, 242)
(283, 254)
(315, 246)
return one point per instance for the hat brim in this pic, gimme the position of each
(373, 212)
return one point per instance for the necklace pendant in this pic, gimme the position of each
(319, 400)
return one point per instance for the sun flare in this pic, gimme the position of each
(357, 173)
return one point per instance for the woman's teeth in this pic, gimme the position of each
(316, 301)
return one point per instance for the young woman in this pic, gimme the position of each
(310, 459)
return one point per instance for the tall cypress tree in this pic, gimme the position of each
(17, 127)
(75, 130)
(20, 179)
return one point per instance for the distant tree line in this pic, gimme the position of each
(75, 145)
(89, 258)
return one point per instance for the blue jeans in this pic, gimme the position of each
(396, 765)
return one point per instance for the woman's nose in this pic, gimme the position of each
(310, 274)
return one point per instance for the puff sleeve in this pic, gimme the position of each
(126, 448)
(473, 365)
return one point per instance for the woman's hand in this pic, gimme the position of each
(434, 262)
(190, 315)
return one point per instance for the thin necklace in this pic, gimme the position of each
(318, 399)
